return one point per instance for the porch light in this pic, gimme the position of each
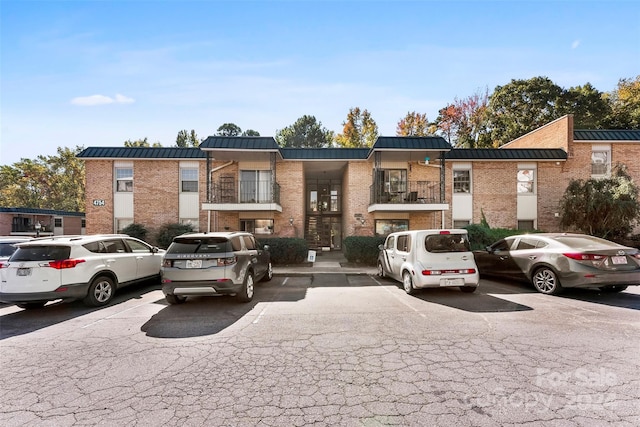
(291, 221)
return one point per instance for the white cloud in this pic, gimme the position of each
(575, 44)
(89, 101)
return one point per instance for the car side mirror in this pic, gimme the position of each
(155, 250)
(380, 247)
(488, 249)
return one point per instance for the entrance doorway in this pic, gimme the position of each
(323, 225)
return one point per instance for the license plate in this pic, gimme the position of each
(194, 263)
(24, 272)
(617, 260)
(452, 282)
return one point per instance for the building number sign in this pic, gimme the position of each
(99, 202)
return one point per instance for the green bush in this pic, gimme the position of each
(138, 231)
(481, 236)
(286, 250)
(167, 232)
(362, 249)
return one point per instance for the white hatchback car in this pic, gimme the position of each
(87, 267)
(429, 259)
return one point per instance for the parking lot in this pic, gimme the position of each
(327, 350)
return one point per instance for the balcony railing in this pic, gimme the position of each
(410, 192)
(238, 191)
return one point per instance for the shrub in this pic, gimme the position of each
(138, 231)
(167, 232)
(362, 249)
(286, 250)
(481, 235)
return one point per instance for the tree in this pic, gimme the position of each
(187, 139)
(141, 143)
(464, 123)
(48, 182)
(413, 124)
(250, 132)
(625, 105)
(522, 106)
(588, 105)
(359, 130)
(229, 129)
(305, 132)
(607, 208)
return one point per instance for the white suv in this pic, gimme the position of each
(429, 259)
(88, 267)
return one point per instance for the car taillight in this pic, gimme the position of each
(227, 261)
(584, 257)
(65, 263)
(440, 272)
(3, 264)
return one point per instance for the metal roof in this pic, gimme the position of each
(265, 143)
(506, 154)
(36, 211)
(411, 143)
(143, 153)
(324, 153)
(606, 135)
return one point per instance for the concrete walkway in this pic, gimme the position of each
(326, 262)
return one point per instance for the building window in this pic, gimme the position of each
(525, 180)
(387, 226)
(57, 222)
(526, 225)
(124, 180)
(122, 223)
(193, 222)
(460, 223)
(255, 186)
(257, 226)
(83, 223)
(461, 181)
(600, 163)
(189, 180)
(395, 181)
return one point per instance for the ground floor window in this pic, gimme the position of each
(122, 223)
(193, 222)
(460, 223)
(257, 226)
(386, 226)
(526, 225)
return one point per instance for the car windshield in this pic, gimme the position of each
(586, 242)
(209, 245)
(41, 253)
(446, 243)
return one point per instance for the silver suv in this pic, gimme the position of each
(87, 267)
(221, 263)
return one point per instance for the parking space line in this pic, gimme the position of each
(397, 297)
(284, 281)
(112, 316)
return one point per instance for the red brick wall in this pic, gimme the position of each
(99, 186)
(556, 134)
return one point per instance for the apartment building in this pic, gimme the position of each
(32, 222)
(325, 195)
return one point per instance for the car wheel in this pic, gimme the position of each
(101, 291)
(407, 283)
(246, 293)
(546, 282)
(613, 288)
(175, 299)
(31, 305)
(381, 270)
(268, 275)
(468, 289)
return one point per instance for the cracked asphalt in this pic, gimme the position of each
(326, 350)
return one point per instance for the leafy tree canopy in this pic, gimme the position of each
(607, 208)
(625, 105)
(413, 124)
(305, 132)
(141, 143)
(359, 130)
(229, 129)
(48, 182)
(250, 132)
(464, 123)
(588, 105)
(187, 139)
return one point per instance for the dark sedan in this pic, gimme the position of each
(553, 261)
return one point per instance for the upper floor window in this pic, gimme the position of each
(124, 180)
(395, 181)
(461, 181)
(600, 162)
(255, 186)
(525, 180)
(189, 180)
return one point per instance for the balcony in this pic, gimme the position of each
(237, 195)
(406, 196)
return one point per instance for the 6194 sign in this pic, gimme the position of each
(99, 202)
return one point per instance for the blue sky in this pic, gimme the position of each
(97, 73)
